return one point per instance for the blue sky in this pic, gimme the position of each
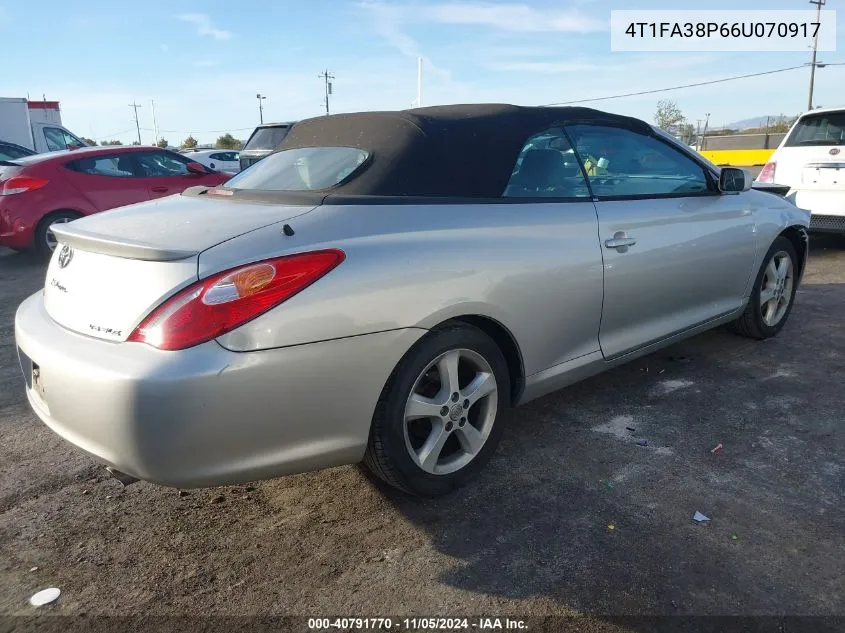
(203, 63)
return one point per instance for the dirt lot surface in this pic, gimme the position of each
(571, 516)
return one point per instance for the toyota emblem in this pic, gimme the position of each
(834, 151)
(65, 255)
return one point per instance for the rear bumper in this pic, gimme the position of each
(820, 203)
(206, 416)
(14, 232)
(827, 223)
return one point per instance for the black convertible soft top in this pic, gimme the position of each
(463, 151)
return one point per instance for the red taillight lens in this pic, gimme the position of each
(21, 184)
(767, 174)
(214, 306)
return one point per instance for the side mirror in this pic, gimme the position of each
(197, 169)
(734, 180)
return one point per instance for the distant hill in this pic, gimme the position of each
(759, 121)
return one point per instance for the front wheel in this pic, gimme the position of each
(773, 293)
(438, 420)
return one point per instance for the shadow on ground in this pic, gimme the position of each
(572, 508)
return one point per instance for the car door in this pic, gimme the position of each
(677, 252)
(166, 173)
(557, 309)
(107, 180)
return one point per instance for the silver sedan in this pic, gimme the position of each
(385, 285)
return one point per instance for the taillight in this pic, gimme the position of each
(219, 304)
(767, 174)
(21, 184)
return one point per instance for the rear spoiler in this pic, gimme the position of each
(117, 246)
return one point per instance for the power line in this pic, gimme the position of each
(700, 83)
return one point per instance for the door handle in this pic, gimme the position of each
(620, 240)
(159, 189)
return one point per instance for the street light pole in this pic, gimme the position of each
(819, 4)
(260, 108)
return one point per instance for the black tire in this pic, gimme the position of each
(387, 454)
(42, 247)
(751, 324)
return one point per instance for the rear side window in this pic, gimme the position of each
(9, 152)
(301, 169)
(155, 164)
(547, 167)
(825, 128)
(267, 138)
(115, 165)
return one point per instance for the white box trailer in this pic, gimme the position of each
(36, 125)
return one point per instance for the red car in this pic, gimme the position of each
(45, 189)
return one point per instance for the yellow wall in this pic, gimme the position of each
(738, 157)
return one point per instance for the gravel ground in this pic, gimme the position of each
(572, 516)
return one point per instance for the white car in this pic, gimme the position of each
(227, 161)
(811, 162)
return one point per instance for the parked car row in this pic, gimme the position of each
(223, 160)
(39, 191)
(383, 287)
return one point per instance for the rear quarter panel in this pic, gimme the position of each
(534, 268)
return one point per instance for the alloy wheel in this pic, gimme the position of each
(450, 411)
(776, 288)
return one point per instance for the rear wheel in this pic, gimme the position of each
(45, 240)
(438, 420)
(773, 293)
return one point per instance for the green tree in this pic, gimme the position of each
(112, 142)
(668, 116)
(227, 141)
(686, 132)
(162, 143)
(90, 141)
(189, 142)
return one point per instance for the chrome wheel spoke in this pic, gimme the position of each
(447, 366)
(471, 439)
(772, 271)
(783, 267)
(430, 451)
(766, 295)
(482, 385)
(421, 407)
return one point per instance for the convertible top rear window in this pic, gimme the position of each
(301, 169)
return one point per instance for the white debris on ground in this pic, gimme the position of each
(665, 387)
(45, 597)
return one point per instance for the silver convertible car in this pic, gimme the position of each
(385, 285)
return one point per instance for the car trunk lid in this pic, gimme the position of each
(812, 167)
(112, 269)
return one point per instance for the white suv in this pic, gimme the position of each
(811, 161)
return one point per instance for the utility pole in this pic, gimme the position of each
(327, 77)
(819, 4)
(155, 126)
(704, 133)
(135, 106)
(260, 108)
